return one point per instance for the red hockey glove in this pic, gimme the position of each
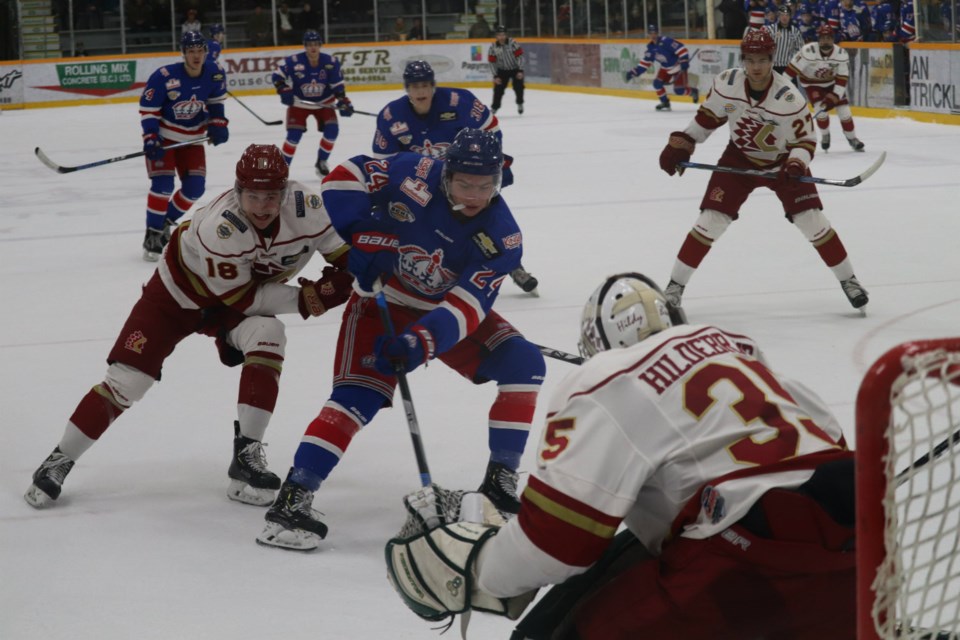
(791, 169)
(830, 101)
(679, 149)
(332, 289)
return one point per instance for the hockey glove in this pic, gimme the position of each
(372, 254)
(153, 146)
(830, 101)
(345, 106)
(684, 66)
(405, 352)
(332, 289)
(791, 169)
(217, 130)
(286, 95)
(497, 80)
(679, 149)
(630, 75)
(519, 75)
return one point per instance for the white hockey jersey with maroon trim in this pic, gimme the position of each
(813, 69)
(218, 257)
(635, 433)
(762, 129)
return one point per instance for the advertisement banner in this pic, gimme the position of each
(933, 81)
(537, 64)
(575, 65)
(878, 88)
(11, 85)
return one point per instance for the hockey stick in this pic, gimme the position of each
(927, 457)
(80, 167)
(412, 421)
(363, 113)
(254, 113)
(556, 354)
(772, 175)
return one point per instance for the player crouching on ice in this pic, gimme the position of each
(732, 483)
(221, 275)
(674, 61)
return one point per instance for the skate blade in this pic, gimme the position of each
(243, 492)
(276, 535)
(150, 256)
(36, 498)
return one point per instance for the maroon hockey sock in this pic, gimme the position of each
(260, 380)
(847, 125)
(831, 250)
(96, 411)
(695, 247)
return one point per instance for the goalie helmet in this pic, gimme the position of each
(192, 39)
(312, 35)
(262, 167)
(757, 41)
(418, 71)
(624, 310)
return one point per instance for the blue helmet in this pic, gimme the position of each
(475, 152)
(418, 71)
(312, 35)
(215, 29)
(652, 28)
(192, 39)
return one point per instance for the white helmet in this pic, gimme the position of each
(622, 311)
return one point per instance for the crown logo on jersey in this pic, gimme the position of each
(425, 272)
(313, 90)
(188, 109)
(430, 149)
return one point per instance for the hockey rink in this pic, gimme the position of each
(143, 542)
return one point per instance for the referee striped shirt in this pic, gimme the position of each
(789, 40)
(505, 57)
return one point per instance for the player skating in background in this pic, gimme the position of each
(311, 84)
(180, 102)
(770, 129)
(822, 69)
(506, 61)
(426, 121)
(734, 484)
(442, 241)
(215, 42)
(222, 275)
(674, 61)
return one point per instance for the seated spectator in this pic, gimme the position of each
(399, 29)
(480, 28)
(191, 23)
(259, 28)
(308, 19)
(416, 32)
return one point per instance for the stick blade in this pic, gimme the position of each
(50, 163)
(872, 169)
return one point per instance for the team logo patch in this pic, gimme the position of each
(405, 139)
(224, 231)
(513, 240)
(188, 109)
(313, 201)
(716, 194)
(424, 272)
(400, 211)
(486, 244)
(172, 95)
(448, 115)
(231, 217)
(399, 127)
(298, 201)
(789, 97)
(218, 77)
(712, 504)
(729, 108)
(135, 342)
(172, 83)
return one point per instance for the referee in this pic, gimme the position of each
(506, 62)
(788, 38)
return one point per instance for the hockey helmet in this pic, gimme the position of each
(262, 167)
(499, 29)
(652, 28)
(476, 152)
(418, 71)
(757, 41)
(312, 35)
(192, 39)
(825, 30)
(624, 310)
(215, 29)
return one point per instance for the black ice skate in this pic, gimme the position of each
(855, 144)
(322, 168)
(48, 480)
(825, 141)
(520, 109)
(664, 105)
(525, 280)
(153, 244)
(250, 480)
(674, 293)
(695, 95)
(168, 228)
(292, 522)
(855, 292)
(500, 486)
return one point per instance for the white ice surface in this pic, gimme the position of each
(144, 544)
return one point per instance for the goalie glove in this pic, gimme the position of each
(435, 573)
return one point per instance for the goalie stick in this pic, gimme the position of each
(80, 167)
(405, 395)
(271, 123)
(772, 175)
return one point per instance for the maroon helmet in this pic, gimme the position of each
(757, 41)
(825, 30)
(262, 167)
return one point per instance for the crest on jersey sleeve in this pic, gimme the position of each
(424, 272)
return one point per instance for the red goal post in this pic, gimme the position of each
(908, 494)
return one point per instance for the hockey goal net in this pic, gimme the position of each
(908, 494)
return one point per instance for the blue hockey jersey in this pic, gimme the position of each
(670, 54)
(399, 128)
(314, 87)
(177, 106)
(213, 50)
(448, 265)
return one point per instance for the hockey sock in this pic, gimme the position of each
(694, 249)
(326, 146)
(831, 250)
(96, 412)
(260, 380)
(179, 204)
(848, 129)
(74, 442)
(290, 144)
(157, 203)
(510, 418)
(253, 421)
(325, 441)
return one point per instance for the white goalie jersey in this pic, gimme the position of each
(813, 69)
(763, 129)
(634, 434)
(218, 257)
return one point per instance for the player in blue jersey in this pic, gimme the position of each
(442, 240)
(427, 120)
(311, 84)
(674, 60)
(215, 42)
(180, 102)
